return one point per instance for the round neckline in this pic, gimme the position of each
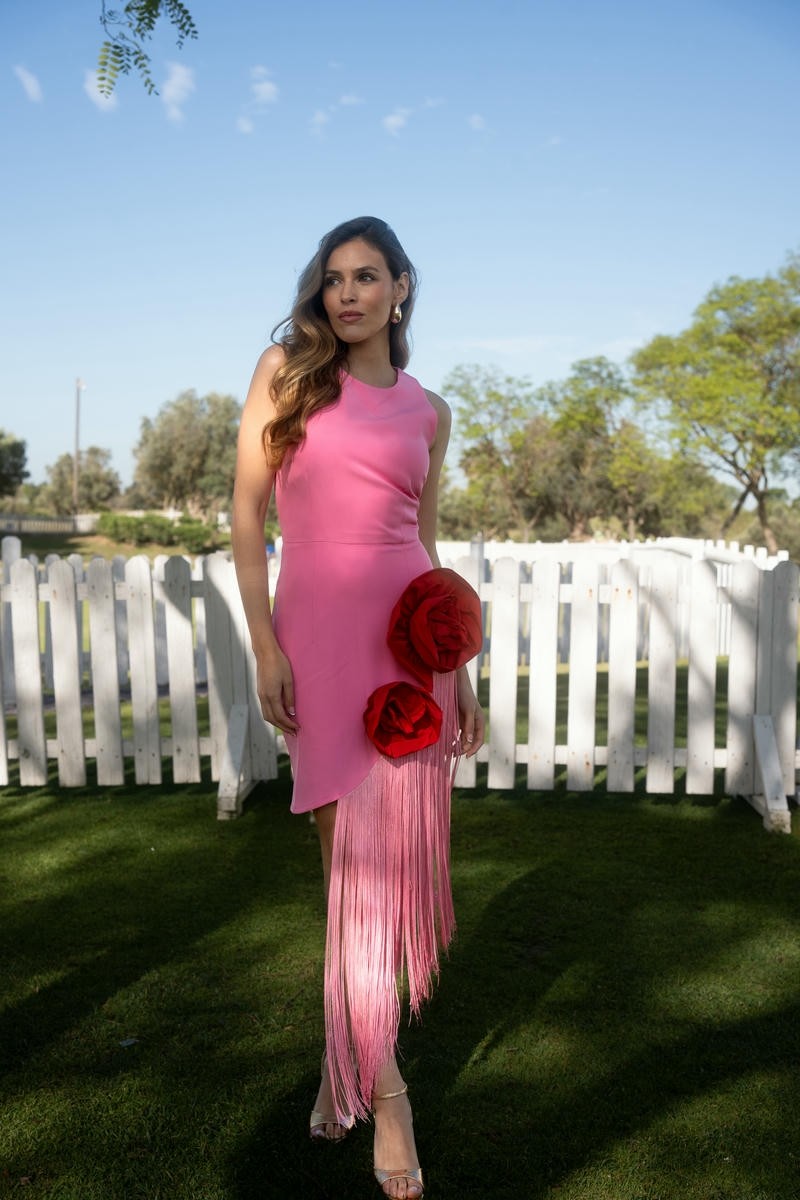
(376, 387)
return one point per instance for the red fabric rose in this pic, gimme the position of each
(436, 624)
(400, 718)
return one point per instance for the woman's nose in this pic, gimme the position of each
(348, 289)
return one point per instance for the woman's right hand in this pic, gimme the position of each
(276, 690)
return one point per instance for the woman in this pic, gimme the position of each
(354, 448)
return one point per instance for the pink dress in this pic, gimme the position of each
(348, 500)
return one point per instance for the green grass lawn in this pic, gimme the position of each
(619, 1017)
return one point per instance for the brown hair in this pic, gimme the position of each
(310, 377)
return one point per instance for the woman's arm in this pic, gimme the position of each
(473, 723)
(251, 494)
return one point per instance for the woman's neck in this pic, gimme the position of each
(371, 364)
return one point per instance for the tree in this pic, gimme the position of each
(729, 385)
(490, 413)
(98, 482)
(585, 413)
(13, 455)
(186, 457)
(127, 30)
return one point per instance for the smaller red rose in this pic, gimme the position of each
(436, 624)
(400, 718)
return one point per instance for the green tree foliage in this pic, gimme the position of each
(584, 412)
(729, 385)
(186, 457)
(98, 482)
(13, 454)
(127, 30)
(565, 461)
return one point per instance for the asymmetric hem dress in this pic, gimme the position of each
(348, 502)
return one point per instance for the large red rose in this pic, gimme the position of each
(436, 624)
(400, 718)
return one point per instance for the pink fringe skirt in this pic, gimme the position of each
(390, 908)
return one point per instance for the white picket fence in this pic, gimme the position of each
(85, 644)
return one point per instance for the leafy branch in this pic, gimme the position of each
(127, 29)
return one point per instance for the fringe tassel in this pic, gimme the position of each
(390, 906)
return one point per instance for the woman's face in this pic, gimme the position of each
(358, 292)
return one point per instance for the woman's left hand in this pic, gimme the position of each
(473, 722)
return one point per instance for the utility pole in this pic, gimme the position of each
(76, 458)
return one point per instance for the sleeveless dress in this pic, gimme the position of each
(348, 500)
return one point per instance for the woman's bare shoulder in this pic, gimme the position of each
(273, 357)
(258, 395)
(442, 408)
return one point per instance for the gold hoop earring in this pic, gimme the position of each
(397, 315)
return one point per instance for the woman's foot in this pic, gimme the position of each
(324, 1125)
(397, 1168)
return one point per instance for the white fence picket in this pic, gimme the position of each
(702, 680)
(3, 731)
(582, 676)
(24, 607)
(782, 701)
(104, 657)
(743, 591)
(144, 689)
(160, 622)
(587, 610)
(503, 673)
(65, 617)
(201, 668)
(12, 551)
(661, 679)
(121, 616)
(623, 605)
(179, 647)
(471, 570)
(220, 663)
(543, 680)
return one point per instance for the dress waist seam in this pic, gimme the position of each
(342, 542)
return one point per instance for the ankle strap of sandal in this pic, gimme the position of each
(391, 1095)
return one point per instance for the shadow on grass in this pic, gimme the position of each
(618, 1018)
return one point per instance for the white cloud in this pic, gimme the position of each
(476, 122)
(319, 120)
(176, 90)
(396, 121)
(263, 92)
(348, 100)
(33, 89)
(104, 103)
(263, 89)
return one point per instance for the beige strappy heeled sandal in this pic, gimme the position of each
(412, 1174)
(320, 1120)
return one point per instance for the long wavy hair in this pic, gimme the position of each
(310, 377)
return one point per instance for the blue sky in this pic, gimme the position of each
(570, 178)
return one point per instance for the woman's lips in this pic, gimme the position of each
(350, 318)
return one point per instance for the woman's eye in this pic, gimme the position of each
(330, 281)
(366, 277)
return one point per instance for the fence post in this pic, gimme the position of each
(661, 679)
(32, 747)
(144, 689)
(65, 618)
(543, 680)
(503, 673)
(581, 714)
(179, 651)
(104, 658)
(622, 675)
(744, 592)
